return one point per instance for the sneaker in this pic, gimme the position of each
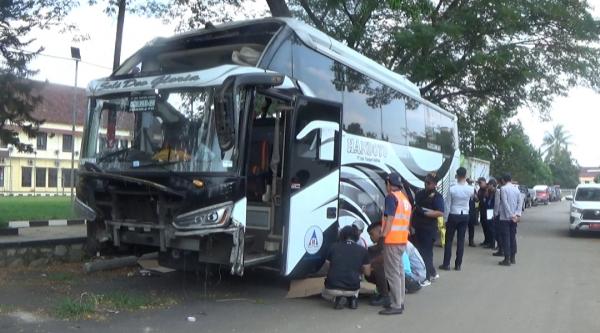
(380, 301)
(352, 303)
(391, 311)
(433, 278)
(425, 283)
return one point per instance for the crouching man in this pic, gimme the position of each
(347, 262)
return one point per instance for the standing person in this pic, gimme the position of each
(458, 219)
(482, 196)
(510, 213)
(347, 262)
(489, 206)
(472, 215)
(396, 223)
(429, 206)
(497, 224)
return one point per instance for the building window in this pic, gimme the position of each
(67, 145)
(66, 177)
(52, 177)
(40, 177)
(25, 176)
(42, 141)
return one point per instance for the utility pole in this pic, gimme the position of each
(75, 55)
(119, 37)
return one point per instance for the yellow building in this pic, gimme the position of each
(47, 169)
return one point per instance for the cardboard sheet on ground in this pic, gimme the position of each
(314, 286)
(152, 265)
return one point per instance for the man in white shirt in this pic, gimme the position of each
(458, 219)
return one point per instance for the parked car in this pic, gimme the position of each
(542, 194)
(585, 209)
(527, 196)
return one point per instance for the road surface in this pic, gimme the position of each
(554, 287)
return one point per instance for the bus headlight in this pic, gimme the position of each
(209, 217)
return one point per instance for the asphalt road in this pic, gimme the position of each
(554, 287)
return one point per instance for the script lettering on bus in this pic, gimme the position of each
(365, 150)
(141, 83)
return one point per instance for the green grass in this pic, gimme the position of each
(75, 309)
(93, 306)
(34, 208)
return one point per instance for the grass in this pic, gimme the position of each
(34, 208)
(94, 306)
(61, 276)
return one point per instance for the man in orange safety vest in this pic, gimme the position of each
(396, 223)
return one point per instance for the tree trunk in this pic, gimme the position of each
(279, 8)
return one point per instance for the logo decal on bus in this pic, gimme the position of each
(313, 239)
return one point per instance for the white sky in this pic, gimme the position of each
(576, 111)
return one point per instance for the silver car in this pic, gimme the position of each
(585, 209)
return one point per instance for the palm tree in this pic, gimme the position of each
(555, 142)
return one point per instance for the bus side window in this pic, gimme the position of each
(393, 120)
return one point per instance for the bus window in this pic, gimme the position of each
(415, 122)
(433, 128)
(320, 73)
(282, 60)
(362, 107)
(446, 136)
(393, 119)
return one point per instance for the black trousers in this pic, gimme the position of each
(472, 224)
(508, 238)
(456, 224)
(378, 277)
(425, 238)
(497, 233)
(485, 226)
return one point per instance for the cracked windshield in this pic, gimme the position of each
(172, 129)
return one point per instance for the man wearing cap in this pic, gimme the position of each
(429, 205)
(458, 219)
(358, 226)
(396, 223)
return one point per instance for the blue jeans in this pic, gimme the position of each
(458, 224)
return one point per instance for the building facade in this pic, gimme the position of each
(46, 170)
(588, 174)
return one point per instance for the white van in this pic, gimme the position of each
(585, 209)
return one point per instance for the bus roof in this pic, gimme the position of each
(322, 43)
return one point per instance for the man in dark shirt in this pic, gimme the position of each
(347, 262)
(429, 205)
(482, 198)
(377, 271)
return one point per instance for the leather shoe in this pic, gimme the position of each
(445, 268)
(353, 303)
(392, 311)
(472, 245)
(380, 300)
(498, 254)
(339, 302)
(512, 260)
(457, 268)
(504, 263)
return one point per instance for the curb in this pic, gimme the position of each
(44, 223)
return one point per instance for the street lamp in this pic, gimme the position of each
(76, 55)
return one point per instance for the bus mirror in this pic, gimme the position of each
(226, 97)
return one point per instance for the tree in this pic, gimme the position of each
(18, 19)
(555, 142)
(565, 170)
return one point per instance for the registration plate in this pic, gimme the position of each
(595, 226)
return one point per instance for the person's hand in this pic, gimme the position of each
(516, 218)
(419, 211)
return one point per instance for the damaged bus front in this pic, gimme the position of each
(161, 164)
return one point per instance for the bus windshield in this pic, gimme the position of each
(172, 129)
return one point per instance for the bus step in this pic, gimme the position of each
(253, 259)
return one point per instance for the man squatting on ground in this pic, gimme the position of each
(347, 262)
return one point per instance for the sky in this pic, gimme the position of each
(576, 112)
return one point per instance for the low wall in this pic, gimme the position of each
(41, 253)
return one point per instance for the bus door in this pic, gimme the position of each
(310, 184)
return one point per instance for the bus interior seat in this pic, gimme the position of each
(259, 169)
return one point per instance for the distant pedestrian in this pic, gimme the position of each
(489, 207)
(396, 221)
(497, 224)
(482, 197)
(429, 206)
(472, 215)
(458, 219)
(510, 214)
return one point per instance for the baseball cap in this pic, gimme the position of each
(395, 179)
(360, 225)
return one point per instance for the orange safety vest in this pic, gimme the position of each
(399, 231)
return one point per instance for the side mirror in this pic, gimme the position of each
(569, 197)
(226, 102)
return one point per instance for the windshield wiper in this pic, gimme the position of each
(112, 154)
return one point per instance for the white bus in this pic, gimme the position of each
(251, 143)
